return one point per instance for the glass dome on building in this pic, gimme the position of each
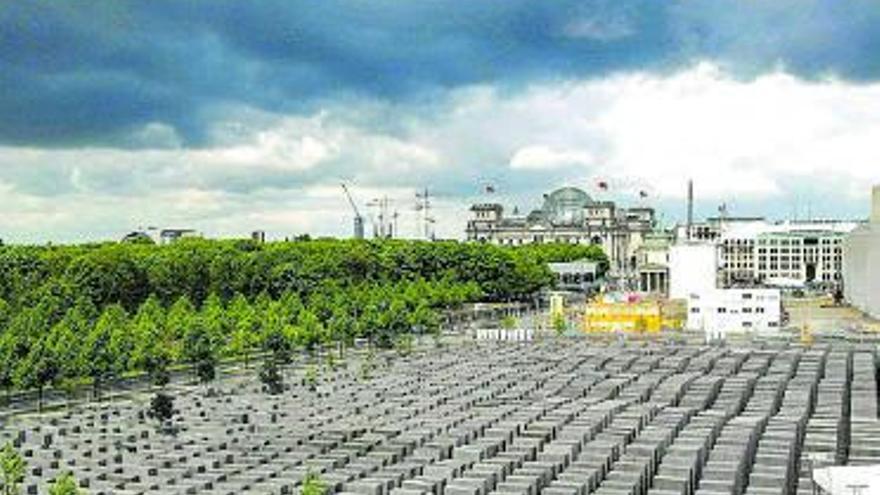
(565, 206)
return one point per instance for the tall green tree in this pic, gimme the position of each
(199, 351)
(311, 333)
(155, 346)
(39, 368)
(424, 320)
(181, 315)
(216, 320)
(12, 468)
(246, 329)
(342, 329)
(8, 363)
(66, 338)
(98, 357)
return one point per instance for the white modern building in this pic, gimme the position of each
(568, 215)
(861, 262)
(724, 312)
(693, 269)
(783, 254)
(710, 230)
(719, 312)
(169, 236)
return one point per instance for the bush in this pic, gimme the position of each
(313, 485)
(161, 407)
(65, 485)
(271, 377)
(12, 468)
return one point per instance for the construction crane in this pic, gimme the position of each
(358, 219)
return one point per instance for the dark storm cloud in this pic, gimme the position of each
(96, 73)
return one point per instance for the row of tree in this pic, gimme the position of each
(127, 274)
(48, 345)
(91, 314)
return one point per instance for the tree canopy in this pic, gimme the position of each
(95, 312)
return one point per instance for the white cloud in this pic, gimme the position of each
(544, 158)
(155, 135)
(733, 137)
(756, 143)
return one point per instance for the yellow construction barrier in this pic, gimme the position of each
(635, 317)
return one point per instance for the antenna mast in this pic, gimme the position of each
(423, 205)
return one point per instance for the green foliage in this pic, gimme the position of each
(99, 358)
(424, 320)
(161, 407)
(404, 344)
(508, 322)
(367, 365)
(311, 377)
(94, 312)
(245, 329)
(154, 349)
(65, 485)
(199, 350)
(560, 324)
(39, 367)
(271, 377)
(313, 485)
(12, 468)
(330, 362)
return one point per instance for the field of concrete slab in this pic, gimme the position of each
(555, 417)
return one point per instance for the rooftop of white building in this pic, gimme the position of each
(753, 229)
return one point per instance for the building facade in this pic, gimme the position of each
(693, 269)
(568, 215)
(169, 236)
(861, 262)
(720, 313)
(784, 254)
(652, 262)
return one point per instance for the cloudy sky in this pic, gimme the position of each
(231, 116)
